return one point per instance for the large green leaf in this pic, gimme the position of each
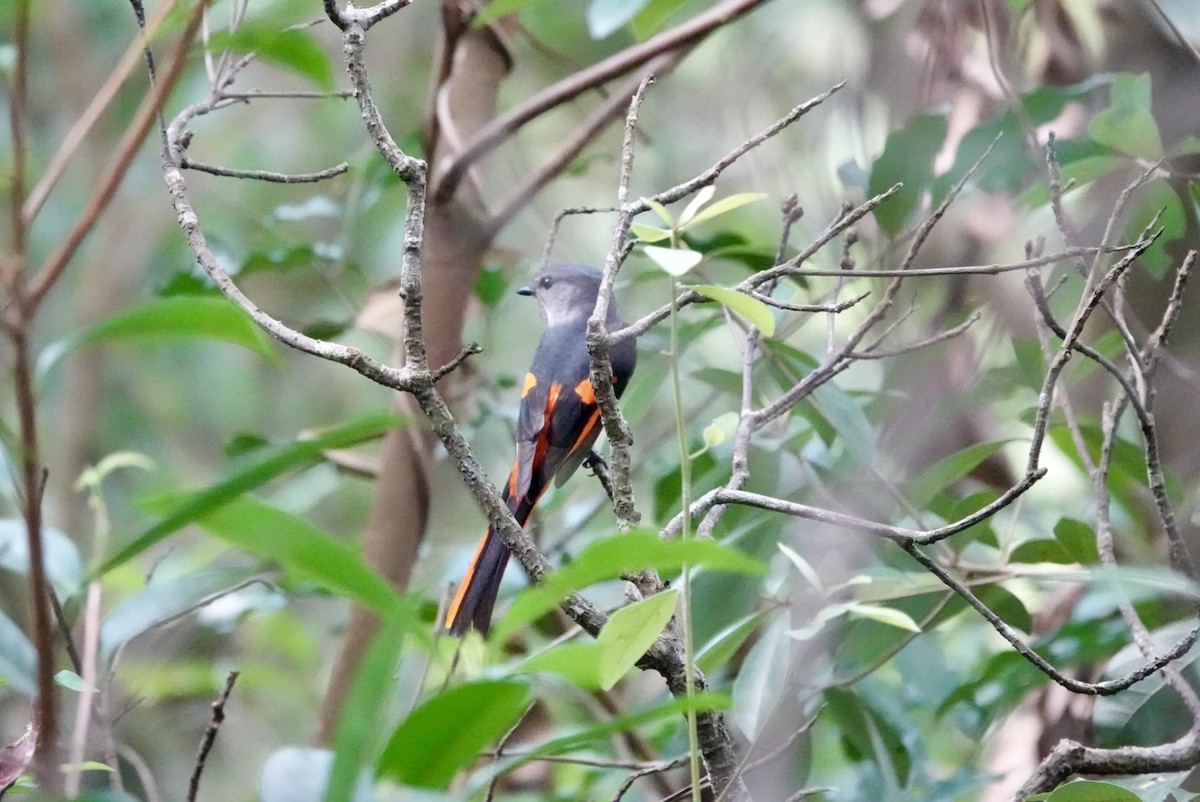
(608, 558)
(250, 476)
(605, 17)
(1128, 124)
(447, 731)
(625, 638)
(300, 549)
(179, 316)
(292, 49)
(907, 159)
(361, 721)
(949, 470)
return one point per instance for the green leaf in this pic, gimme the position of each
(1078, 539)
(663, 213)
(802, 565)
(300, 549)
(1040, 550)
(1149, 712)
(361, 721)
(675, 261)
(577, 662)
(165, 599)
(650, 233)
(723, 206)
(610, 557)
(292, 49)
(725, 644)
(18, 660)
(180, 316)
(605, 17)
(651, 19)
(1155, 197)
(1091, 791)
(629, 633)
(1128, 124)
(252, 475)
(750, 308)
(721, 429)
(884, 615)
(499, 8)
(69, 680)
(625, 638)
(702, 196)
(447, 731)
(867, 735)
(762, 678)
(949, 470)
(907, 159)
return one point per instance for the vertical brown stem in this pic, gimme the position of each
(45, 760)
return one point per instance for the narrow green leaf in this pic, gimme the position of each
(725, 644)
(252, 475)
(360, 724)
(702, 196)
(762, 678)
(802, 565)
(649, 233)
(181, 316)
(723, 206)
(750, 308)
(69, 680)
(949, 470)
(818, 622)
(675, 261)
(663, 213)
(1091, 791)
(629, 633)
(300, 549)
(447, 731)
(884, 615)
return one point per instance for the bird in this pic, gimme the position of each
(557, 425)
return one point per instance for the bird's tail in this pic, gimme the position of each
(476, 596)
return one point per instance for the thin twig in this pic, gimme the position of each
(210, 736)
(266, 175)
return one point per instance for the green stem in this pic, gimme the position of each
(685, 481)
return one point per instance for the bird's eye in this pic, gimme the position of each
(546, 282)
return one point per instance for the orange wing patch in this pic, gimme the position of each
(530, 383)
(585, 392)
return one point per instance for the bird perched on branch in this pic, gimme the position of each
(556, 428)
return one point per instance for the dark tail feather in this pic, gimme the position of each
(476, 596)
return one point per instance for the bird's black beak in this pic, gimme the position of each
(526, 290)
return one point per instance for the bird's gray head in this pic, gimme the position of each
(567, 294)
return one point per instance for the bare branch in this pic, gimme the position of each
(266, 175)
